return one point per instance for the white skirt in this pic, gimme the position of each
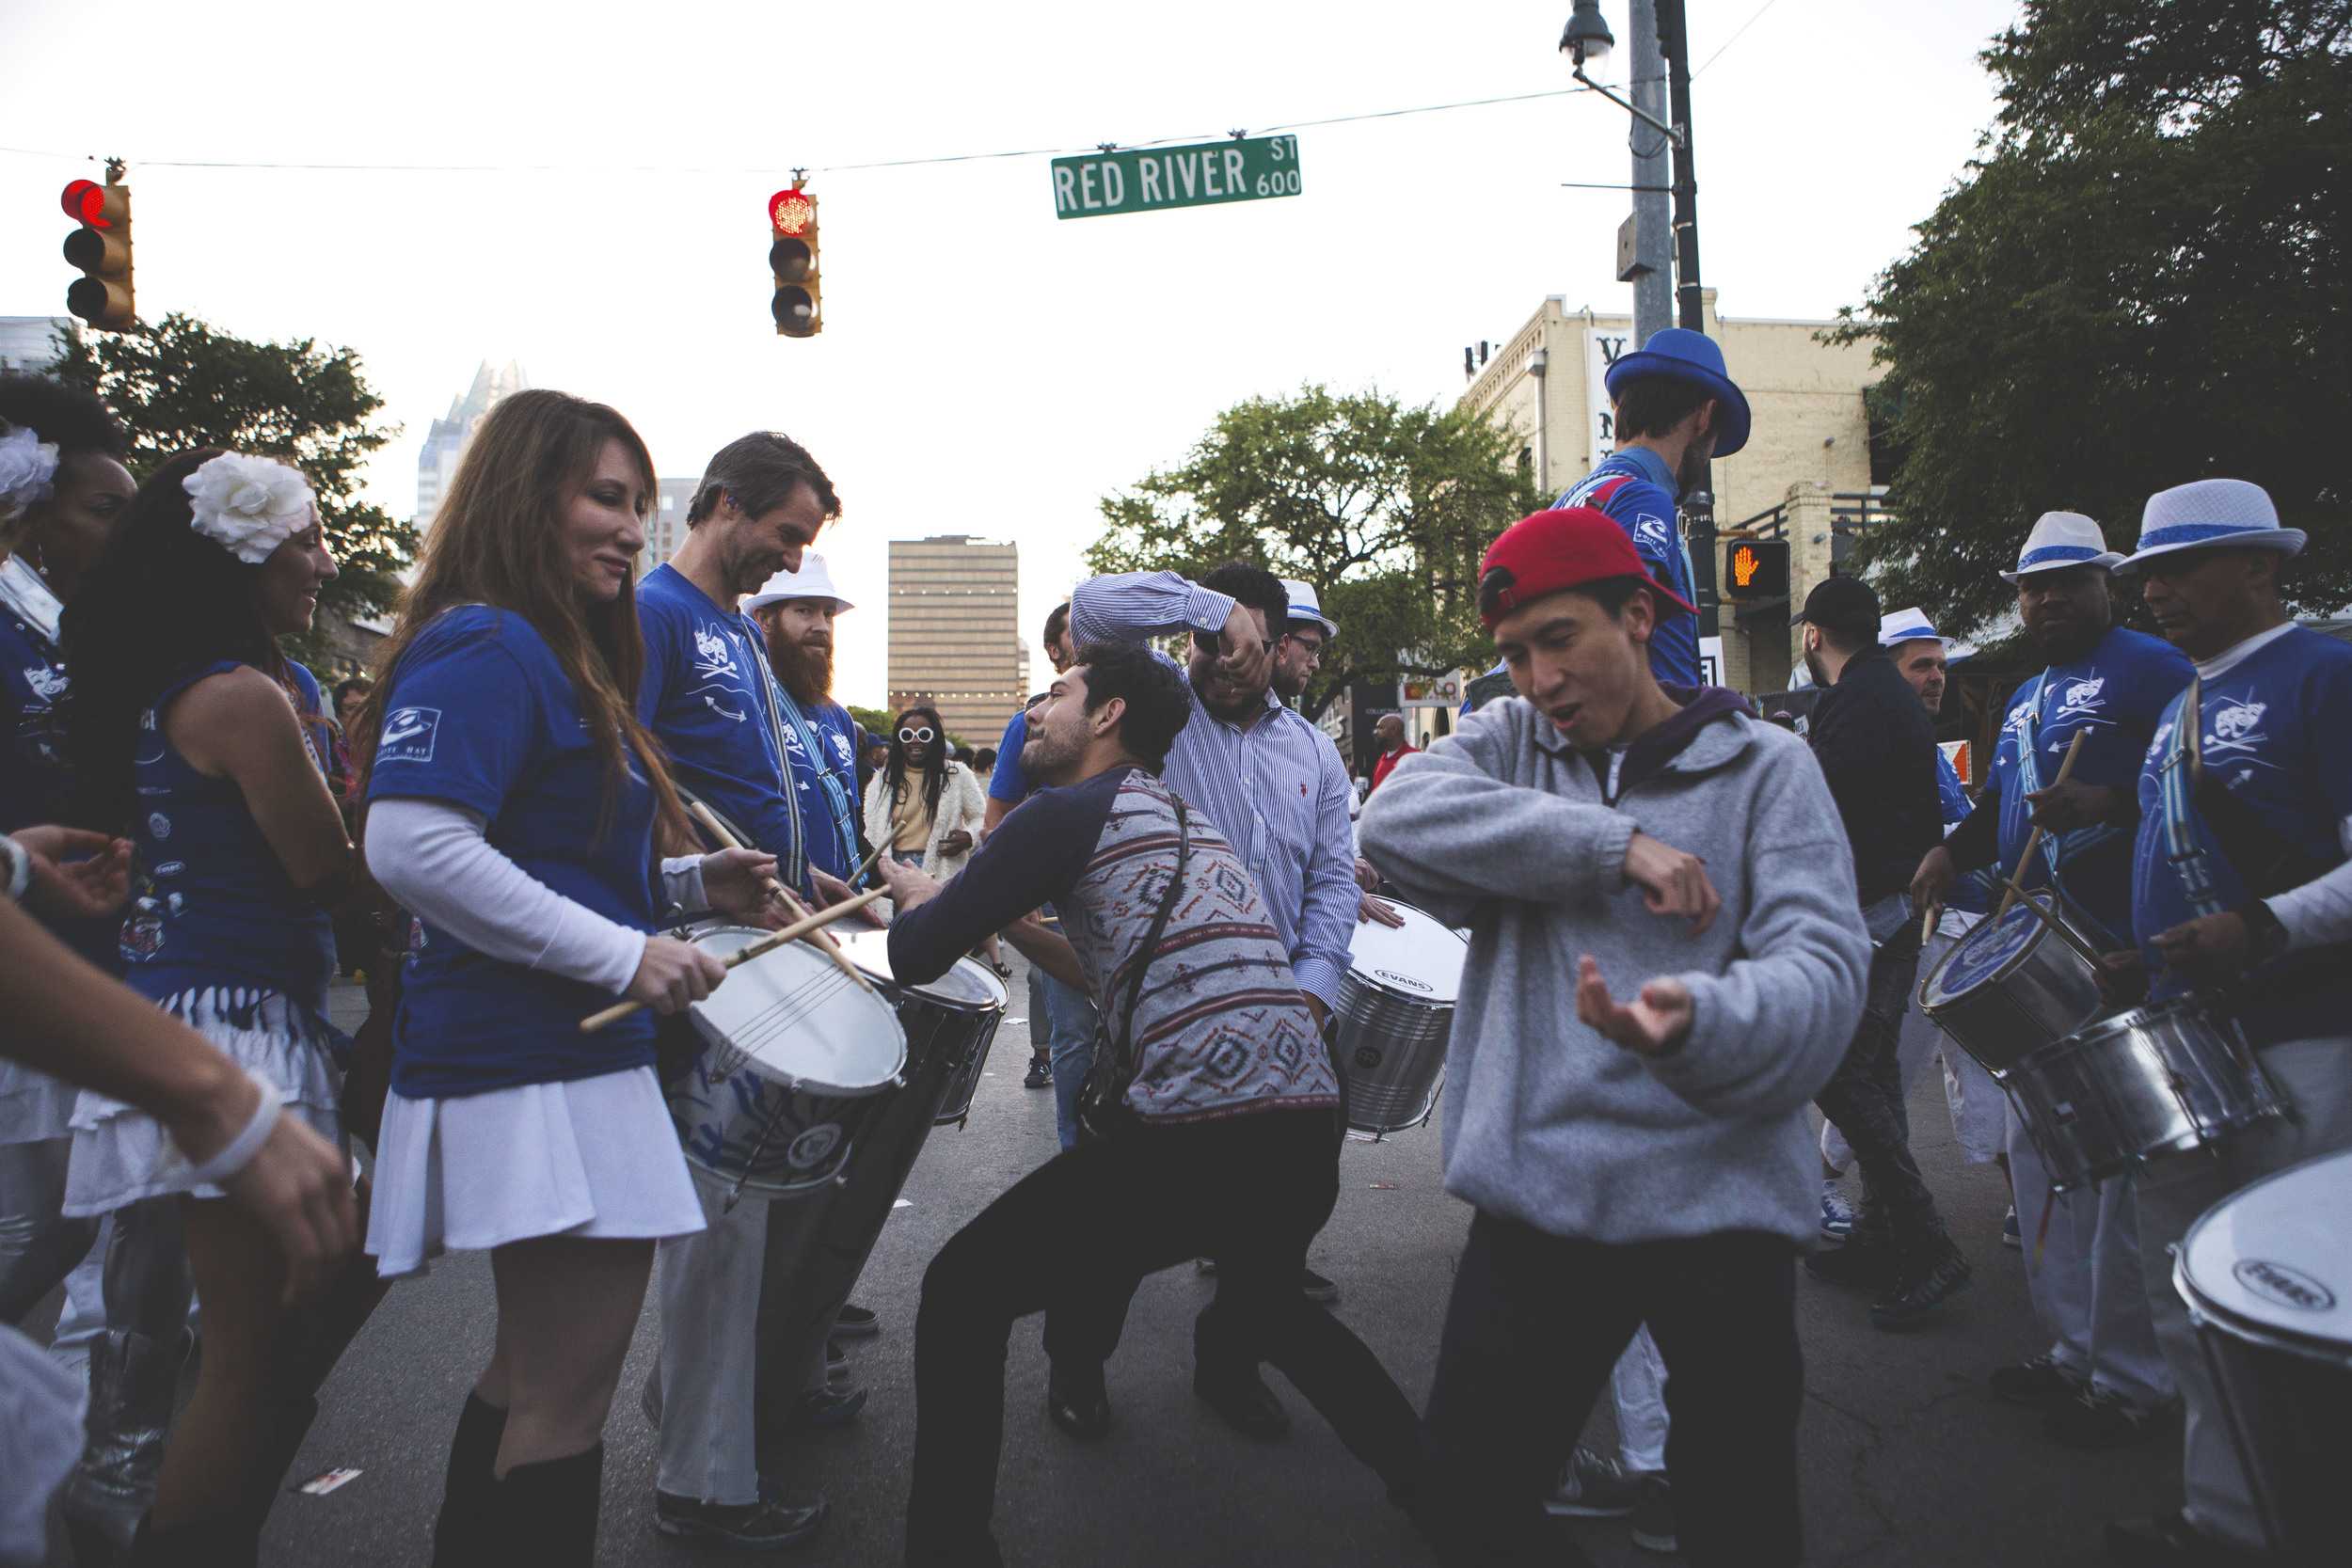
(122, 1155)
(34, 1107)
(590, 1157)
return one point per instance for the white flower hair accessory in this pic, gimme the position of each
(249, 506)
(27, 467)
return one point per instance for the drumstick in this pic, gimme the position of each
(782, 895)
(863, 866)
(2033, 840)
(765, 945)
(2060, 928)
(1927, 923)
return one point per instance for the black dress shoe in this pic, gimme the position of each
(1315, 1288)
(1077, 1402)
(1247, 1406)
(2169, 1541)
(855, 1323)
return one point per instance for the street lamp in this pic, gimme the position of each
(1587, 37)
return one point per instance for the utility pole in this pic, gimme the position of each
(1698, 505)
(1653, 236)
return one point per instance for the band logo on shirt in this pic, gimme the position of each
(409, 734)
(2082, 697)
(715, 666)
(2233, 727)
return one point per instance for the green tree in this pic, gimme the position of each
(1385, 509)
(180, 384)
(2139, 281)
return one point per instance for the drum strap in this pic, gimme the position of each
(2177, 776)
(2054, 847)
(836, 798)
(1101, 1099)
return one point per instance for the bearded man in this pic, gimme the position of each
(795, 610)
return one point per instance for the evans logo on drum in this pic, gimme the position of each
(1367, 1059)
(2276, 1282)
(1406, 980)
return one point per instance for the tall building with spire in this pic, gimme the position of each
(445, 443)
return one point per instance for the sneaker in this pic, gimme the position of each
(1040, 1074)
(1836, 1213)
(1920, 1291)
(855, 1323)
(2039, 1381)
(1654, 1515)
(2099, 1419)
(1592, 1487)
(2011, 1236)
(823, 1409)
(1317, 1289)
(770, 1524)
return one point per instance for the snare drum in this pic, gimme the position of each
(2149, 1082)
(1395, 1012)
(950, 1022)
(795, 1059)
(2011, 987)
(2267, 1276)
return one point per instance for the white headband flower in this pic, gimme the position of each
(27, 464)
(249, 506)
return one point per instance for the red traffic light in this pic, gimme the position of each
(85, 201)
(792, 212)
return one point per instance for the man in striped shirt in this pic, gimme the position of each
(1273, 785)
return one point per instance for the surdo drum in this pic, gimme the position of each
(1395, 1013)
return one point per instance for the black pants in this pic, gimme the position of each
(1864, 1097)
(1250, 1192)
(1535, 1325)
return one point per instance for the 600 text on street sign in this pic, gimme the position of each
(1146, 180)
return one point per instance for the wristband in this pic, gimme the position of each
(20, 866)
(246, 1145)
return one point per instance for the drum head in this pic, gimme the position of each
(1981, 955)
(968, 986)
(1420, 960)
(2277, 1256)
(801, 1019)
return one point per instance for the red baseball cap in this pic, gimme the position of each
(1562, 549)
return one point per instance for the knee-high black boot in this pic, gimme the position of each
(548, 1511)
(462, 1535)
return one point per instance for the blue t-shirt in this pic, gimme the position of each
(211, 903)
(479, 714)
(707, 697)
(2113, 697)
(827, 784)
(1968, 892)
(2277, 731)
(1634, 486)
(1009, 783)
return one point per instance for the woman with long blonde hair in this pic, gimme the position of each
(515, 805)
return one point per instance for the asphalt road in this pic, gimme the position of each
(1905, 1459)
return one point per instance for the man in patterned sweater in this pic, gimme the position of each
(1230, 1143)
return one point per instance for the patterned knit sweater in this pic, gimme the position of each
(1220, 1028)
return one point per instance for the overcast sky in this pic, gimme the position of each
(984, 368)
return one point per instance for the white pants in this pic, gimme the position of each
(1976, 1103)
(1637, 1385)
(2084, 1277)
(2314, 1079)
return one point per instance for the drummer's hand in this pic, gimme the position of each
(1369, 909)
(77, 875)
(1672, 882)
(1314, 1006)
(832, 890)
(737, 883)
(1657, 1022)
(2122, 978)
(1366, 877)
(1933, 879)
(2211, 944)
(672, 973)
(2063, 808)
(909, 888)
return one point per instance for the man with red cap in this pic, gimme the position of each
(1647, 1158)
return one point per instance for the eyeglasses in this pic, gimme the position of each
(922, 734)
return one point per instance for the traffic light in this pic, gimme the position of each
(1756, 569)
(797, 304)
(100, 245)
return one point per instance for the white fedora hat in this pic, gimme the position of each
(2210, 513)
(1907, 625)
(812, 581)
(1307, 606)
(2060, 539)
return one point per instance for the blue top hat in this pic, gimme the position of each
(1688, 355)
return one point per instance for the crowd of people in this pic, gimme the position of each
(1689, 932)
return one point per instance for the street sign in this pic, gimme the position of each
(1147, 180)
(1756, 569)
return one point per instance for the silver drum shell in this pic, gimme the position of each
(2041, 996)
(1391, 1049)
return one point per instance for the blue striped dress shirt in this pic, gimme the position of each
(1276, 790)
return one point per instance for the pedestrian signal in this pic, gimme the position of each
(1756, 569)
(797, 305)
(100, 247)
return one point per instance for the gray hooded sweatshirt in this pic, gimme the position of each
(1505, 828)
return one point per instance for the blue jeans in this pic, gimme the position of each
(1069, 1034)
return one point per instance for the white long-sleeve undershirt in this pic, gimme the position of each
(434, 859)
